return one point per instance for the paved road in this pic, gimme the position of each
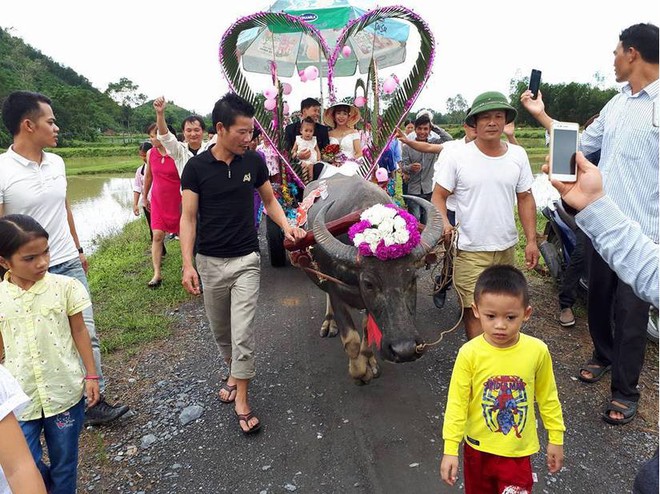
(324, 434)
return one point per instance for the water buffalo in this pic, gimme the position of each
(386, 289)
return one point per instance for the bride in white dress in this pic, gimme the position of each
(342, 118)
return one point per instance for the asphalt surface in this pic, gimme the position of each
(324, 434)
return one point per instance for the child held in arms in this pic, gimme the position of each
(307, 140)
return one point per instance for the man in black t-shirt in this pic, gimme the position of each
(218, 211)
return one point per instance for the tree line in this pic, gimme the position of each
(84, 113)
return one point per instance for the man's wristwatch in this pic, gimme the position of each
(80, 250)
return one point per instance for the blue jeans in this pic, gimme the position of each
(416, 210)
(74, 269)
(61, 433)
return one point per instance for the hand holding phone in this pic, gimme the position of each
(535, 82)
(563, 147)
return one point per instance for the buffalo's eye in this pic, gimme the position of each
(368, 285)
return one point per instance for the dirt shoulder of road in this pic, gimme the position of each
(112, 458)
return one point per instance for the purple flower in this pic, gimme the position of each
(394, 251)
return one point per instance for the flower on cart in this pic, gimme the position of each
(332, 154)
(386, 232)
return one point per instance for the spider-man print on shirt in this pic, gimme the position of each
(504, 404)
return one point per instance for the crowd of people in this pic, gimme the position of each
(210, 194)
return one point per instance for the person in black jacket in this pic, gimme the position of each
(309, 107)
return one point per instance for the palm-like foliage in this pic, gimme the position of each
(231, 66)
(409, 89)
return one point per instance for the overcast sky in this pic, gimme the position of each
(173, 52)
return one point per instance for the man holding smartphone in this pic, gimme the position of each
(626, 133)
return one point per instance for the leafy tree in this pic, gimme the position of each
(125, 92)
(572, 102)
(456, 109)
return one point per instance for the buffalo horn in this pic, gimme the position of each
(339, 251)
(433, 230)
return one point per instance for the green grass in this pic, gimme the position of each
(99, 165)
(128, 313)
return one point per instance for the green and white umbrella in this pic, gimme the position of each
(383, 42)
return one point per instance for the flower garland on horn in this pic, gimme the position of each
(386, 232)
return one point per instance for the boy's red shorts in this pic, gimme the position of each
(486, 473)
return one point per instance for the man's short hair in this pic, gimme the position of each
(230, 106)
(20, 105)
(502, 279)
(309, 103)
(422, 120)
(644, 39)
(192, 119)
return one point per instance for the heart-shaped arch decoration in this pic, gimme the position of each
(268, 121)
(383, 127)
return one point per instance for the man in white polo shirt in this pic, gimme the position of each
(487, 176)
(33, 182)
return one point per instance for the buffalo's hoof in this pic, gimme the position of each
(329, 329)
(375, 368)
(365, 378)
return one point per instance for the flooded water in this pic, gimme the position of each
(101, 206)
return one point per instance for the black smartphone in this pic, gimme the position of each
(535, 82)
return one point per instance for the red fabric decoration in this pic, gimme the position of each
(374, 334)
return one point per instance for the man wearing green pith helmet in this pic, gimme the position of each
(487, 176)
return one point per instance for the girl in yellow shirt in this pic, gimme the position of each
(43, 339)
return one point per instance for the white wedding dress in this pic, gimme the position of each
(350, 167)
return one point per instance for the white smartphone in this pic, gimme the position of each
(563, 147)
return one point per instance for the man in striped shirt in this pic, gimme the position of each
(626, 132)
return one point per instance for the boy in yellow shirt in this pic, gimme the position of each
(496, 380)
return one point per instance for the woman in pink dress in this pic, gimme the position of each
(162, 179)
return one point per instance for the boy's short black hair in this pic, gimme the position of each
(256, 133)
(502, 279)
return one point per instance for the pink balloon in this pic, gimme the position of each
(346, 51)
(286, 88)
(270, 104)
(360, 101)
(270, 92)
(311, 72)
(389, 85)
(303, 77)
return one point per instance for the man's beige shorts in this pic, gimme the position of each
(469, 265)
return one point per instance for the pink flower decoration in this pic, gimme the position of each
(395, 250)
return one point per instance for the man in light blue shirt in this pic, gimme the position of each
(618, 239)
(626, 132)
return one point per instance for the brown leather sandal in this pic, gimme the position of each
(229, 389)
(245, 417)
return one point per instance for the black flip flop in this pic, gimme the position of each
(596, 369)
